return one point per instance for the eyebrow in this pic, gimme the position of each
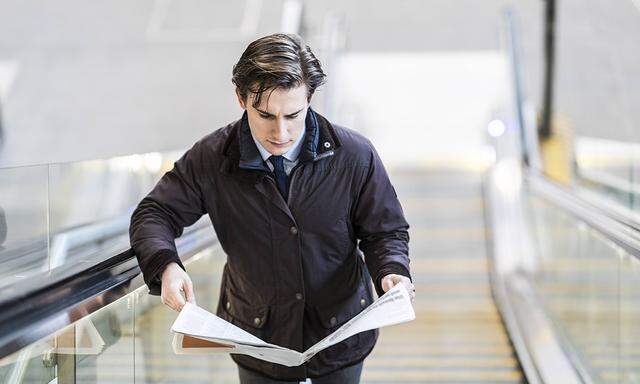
(270, 114)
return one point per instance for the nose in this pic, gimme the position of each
(281, 134)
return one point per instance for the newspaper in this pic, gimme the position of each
(198, 331)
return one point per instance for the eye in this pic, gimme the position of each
(291, 117)
(264, 116)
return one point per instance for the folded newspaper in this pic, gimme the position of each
(198, 331)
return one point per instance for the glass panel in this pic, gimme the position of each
(95, 349)
(635, 183)
(578, 280)
(23, 223)
(608, 168)
(33, 364)
(92, 201)
(155, 360)
(595, 138)
(104, 345)
(630, 320)
(69, 214)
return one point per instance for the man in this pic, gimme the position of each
(289, 195)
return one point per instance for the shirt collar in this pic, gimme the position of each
(291, 155)
(317, 130)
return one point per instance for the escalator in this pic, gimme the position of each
(519, 278)
(562, 272)
(118, 333)
(458, 334)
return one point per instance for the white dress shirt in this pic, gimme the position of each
(290, 157)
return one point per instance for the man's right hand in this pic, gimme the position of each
(175, 284)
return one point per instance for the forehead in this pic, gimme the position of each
(282, 100)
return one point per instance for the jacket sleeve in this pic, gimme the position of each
(380, 225)
(174, 203)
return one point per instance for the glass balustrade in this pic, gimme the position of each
(589, 287)
(56, 216)
(126, 341)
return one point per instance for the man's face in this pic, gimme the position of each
(279, 119)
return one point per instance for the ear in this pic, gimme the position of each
(240, 100)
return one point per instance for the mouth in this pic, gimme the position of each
(278, 144)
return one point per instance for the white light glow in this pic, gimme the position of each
(496, 128)
(153, 162)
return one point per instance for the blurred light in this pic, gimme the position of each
(507, 177)
(8, 73)
(153, 162)
(133, 163)
(90, 165)
(496, 128)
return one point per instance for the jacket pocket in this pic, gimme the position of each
(334, 315)
(250, 317)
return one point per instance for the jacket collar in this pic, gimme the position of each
(320, 141)
(291, 154)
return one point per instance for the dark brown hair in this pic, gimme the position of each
(277, 61)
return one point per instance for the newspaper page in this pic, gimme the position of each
(394, 307)
(196, 322)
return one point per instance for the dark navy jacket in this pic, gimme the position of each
(298, 269)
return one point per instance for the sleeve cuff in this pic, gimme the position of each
(161, 260)
(388, 269)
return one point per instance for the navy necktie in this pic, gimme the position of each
(281, 175)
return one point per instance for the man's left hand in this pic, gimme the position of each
(389, 281)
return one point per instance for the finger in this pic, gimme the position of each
(178, 301)
(169, 303)
(165, 295)
(387, 284)
(191, 297)
(174, 298)
(167, 299)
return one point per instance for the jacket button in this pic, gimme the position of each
(299, 296)
(363, 302)
(228, 305)
(256, 321)
(293, 230)
(333, 321)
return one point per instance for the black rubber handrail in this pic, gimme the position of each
(36, 314)
(21, 318)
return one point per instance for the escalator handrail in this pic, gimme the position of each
(593, 211)
(27, 318)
